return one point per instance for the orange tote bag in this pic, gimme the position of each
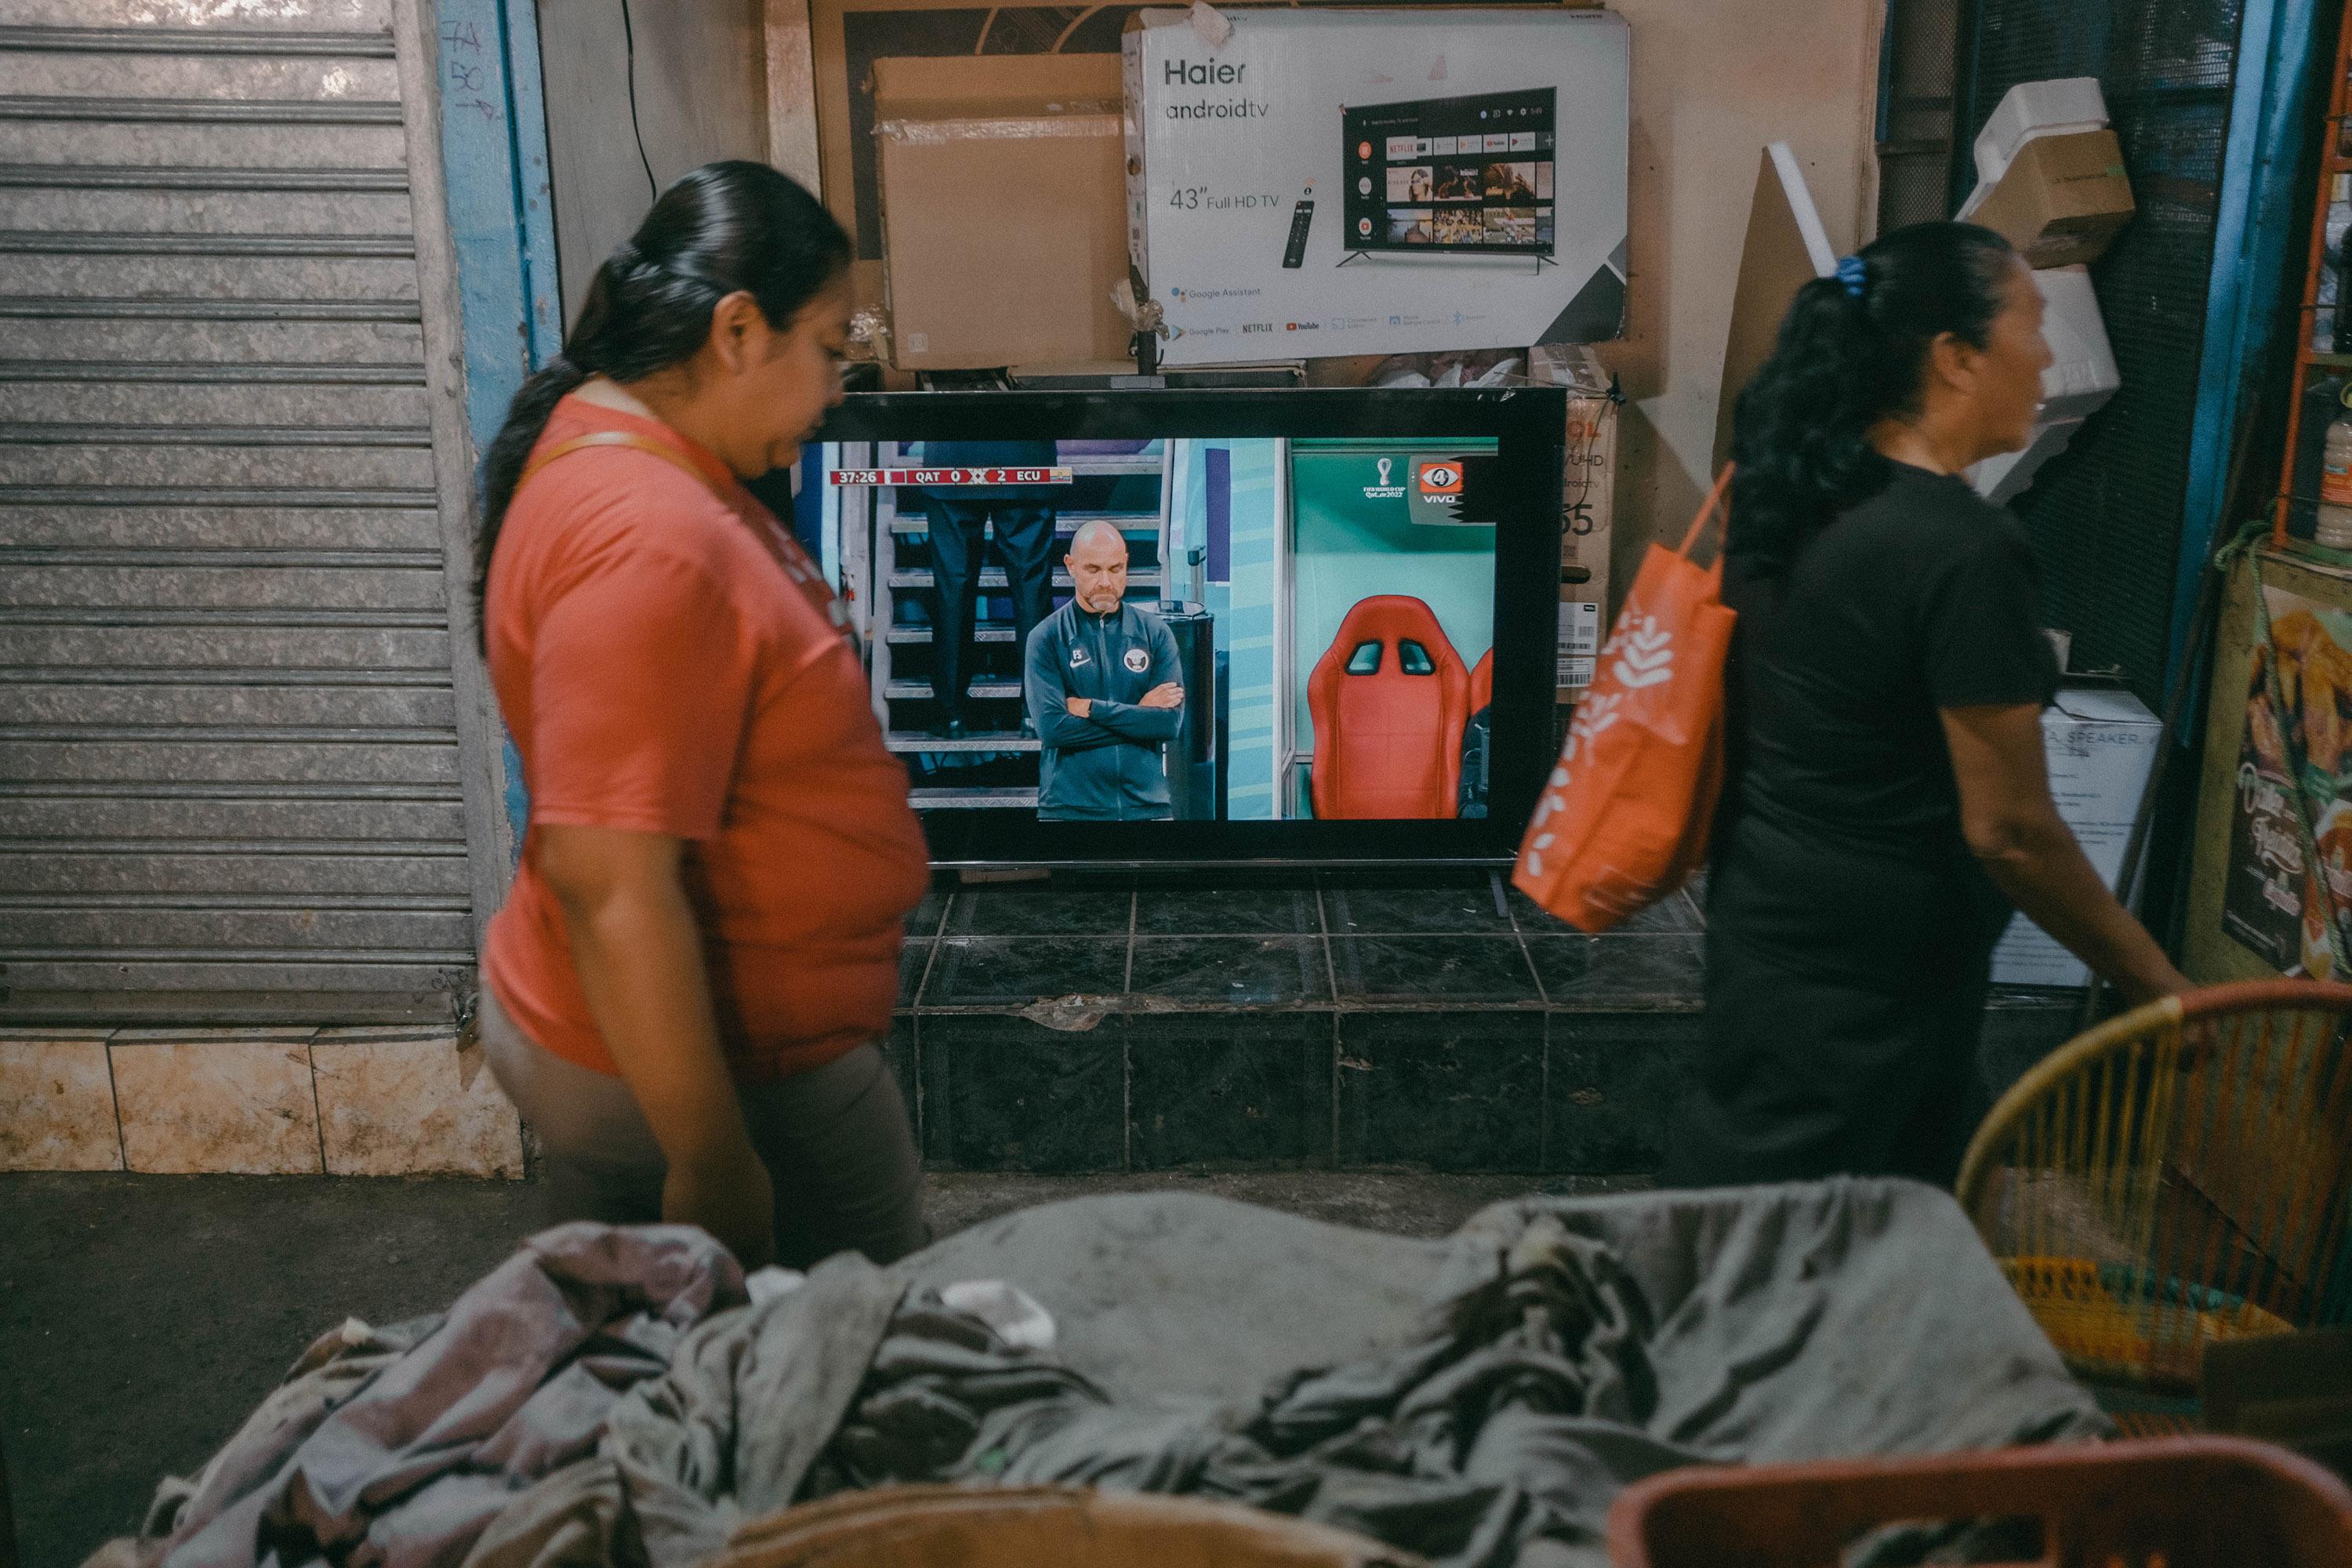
(1624, 819)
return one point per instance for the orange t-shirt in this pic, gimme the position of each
(660, 671)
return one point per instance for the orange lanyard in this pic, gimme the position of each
(782, 546)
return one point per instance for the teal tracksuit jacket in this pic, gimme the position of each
(1105, 767)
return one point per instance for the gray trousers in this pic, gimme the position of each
(836, 1139)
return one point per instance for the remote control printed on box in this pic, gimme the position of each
(1302, 218)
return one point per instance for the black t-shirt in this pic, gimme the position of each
(1922, 597)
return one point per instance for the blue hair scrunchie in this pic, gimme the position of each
(1854, 275)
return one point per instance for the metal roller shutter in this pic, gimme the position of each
(231, 776)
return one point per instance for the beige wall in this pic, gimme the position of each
(701, 91)
(1714, 82)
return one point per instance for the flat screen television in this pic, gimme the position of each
(1470, 176)
(1203, 627)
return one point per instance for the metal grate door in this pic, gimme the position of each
(2105, 514)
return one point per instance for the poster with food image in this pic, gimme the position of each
(2297, 740)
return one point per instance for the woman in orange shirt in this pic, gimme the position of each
(685, 989)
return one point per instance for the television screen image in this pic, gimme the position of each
(1513, 183)
(1459, 226)
(1409, 184)
(1411, 226)
(1130, 634)
(1506, 226)
(1482, 150)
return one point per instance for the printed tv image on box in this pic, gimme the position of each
(1471, 175)
(1253, 630)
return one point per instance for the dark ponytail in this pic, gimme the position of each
(725, 227)
(1851, 351)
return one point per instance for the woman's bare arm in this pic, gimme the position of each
(2014, 829)
(639, 954)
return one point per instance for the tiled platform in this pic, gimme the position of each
(1078, 1026)
(1100, 1025)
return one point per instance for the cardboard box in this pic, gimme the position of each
(1588, 507)
(2080, 378)
(2101, 746)
(1786, 246)
(2032, 108)
(2062, 199)
(1002, 189)
(847, 37)
(1303, 186)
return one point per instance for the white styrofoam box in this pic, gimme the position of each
(2003, 478)
(2101, 746)
(2080, 378)
(2082, 374)
(1259, 222)
(2029, 110)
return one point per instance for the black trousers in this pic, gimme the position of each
(1845, 995)
(1025, 538)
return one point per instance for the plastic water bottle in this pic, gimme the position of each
(2334, 530)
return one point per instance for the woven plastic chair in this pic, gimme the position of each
(2175, 1177)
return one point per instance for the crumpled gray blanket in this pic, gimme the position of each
(1513, 1416)
(395, 1449)
(1565, 1348)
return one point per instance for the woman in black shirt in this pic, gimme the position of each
(1889, 800)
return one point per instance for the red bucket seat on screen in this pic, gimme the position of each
(1482, 682)
(1388, 699)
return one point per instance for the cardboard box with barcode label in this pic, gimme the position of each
(1588, 512)
(2101, 746)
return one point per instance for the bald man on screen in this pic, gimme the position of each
(1105, 692)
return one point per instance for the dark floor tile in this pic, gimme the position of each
(1400, 970)
(1041, 909)
(1013, 971)
(1618, 972)
(1230, 971)
(1003, 1094)
(924, 920)
(1675, 913)
(1225, 911)
(1250, 1089)
(901, 1055)
(1369, 908)
(914, 960)
(1613, 1084)
(1459, 1091)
